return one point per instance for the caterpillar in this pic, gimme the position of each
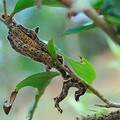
(29, 50)
(111, 116)
(27, 43)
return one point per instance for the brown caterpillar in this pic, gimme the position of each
(111, 116)
(29, 51)
(27, 47)
(27, 43)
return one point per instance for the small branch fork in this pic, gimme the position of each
(7, 17)
(109, 104)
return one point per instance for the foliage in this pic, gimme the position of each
(83, 69)
(39, 81)
(51, 49)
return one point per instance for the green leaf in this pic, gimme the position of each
(83, 69)
(96, 3)
(79, 29)
(51, 49)
(98, 112)
(39, 80)
(111, 7)
(113, 20)
(23, 4)
(52, 3)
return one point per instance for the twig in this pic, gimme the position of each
(5, 8)
(7, 18)
(10, 17)
(110, 104)
(100, 22)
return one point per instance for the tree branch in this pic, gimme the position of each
(100, 22)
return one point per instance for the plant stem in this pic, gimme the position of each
(34, 106)
(5, 8)
(100, 22)
(10, 17)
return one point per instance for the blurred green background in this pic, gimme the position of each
(93, 45)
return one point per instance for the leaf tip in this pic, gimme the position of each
(12, 99)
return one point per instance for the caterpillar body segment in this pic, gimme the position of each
(29, 50)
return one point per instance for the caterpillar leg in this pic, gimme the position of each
(62, 95)
(66, 86)
(81, 91)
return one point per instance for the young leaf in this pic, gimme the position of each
(98, 112)
(51, 49)
(79, 29)
(97, 3)
(23, 4)
(52, 3)
(113, 20)
(83, 69)
(39, 80)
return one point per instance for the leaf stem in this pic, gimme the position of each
(34, 106)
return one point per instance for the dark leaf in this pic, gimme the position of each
(113, 20)
(79, 29)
